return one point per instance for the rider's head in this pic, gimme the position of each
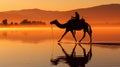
(76, 12)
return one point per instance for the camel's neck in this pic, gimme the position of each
(60, 25)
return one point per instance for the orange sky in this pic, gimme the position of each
(59, 5)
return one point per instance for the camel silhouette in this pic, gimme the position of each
(72, 26)
(72, 59)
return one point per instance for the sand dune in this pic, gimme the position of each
(98, 15)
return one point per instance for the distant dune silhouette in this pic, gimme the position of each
(104, 14)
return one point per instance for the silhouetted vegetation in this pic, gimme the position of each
(16, 23)
(4, 22)
(38, 22)
(11, 23)
(23, 22)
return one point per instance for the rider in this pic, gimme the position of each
(77, 16)
(76, 20)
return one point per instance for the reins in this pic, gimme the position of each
(52, 42)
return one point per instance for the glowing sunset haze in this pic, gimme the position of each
(99, 15)
(59, 5)
(94, 11)
(59, 33)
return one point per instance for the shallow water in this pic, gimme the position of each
(35, 47)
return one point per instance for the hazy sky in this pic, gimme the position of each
(59, 5)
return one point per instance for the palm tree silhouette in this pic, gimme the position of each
(74, 60)
(72, 26)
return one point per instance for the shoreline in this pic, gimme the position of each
(101, 43)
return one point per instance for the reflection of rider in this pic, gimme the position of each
(77, 17)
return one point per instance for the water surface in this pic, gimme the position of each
(35, 47)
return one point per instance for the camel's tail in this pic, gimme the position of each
(74, 32)
(89, 29)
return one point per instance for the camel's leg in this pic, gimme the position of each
(73, 35)
(63, 50)
(89, 54)
(84, 51)
(83, 36)
(73, 51)
(63, 35)
(90, 34)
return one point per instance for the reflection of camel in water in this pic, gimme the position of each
(74, 60)
(72, 25)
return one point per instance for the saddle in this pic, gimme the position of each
(79, 22)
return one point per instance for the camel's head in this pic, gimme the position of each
(53, 22)
(54, 61)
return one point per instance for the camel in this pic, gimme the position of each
(72, 26)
